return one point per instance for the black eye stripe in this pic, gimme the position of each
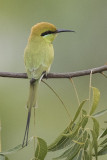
(47, 32)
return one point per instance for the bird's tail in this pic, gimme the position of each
(32, 102)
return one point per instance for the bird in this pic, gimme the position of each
(38, 57)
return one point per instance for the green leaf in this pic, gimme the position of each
(100, 113)
(103, 142)
(74, 152)
(10, 151)
(85, 134)
(78, 142)
(70, 153)
(84, 113)
(79, 156)
(95, 144)
(65, 138)
(86, 144)
(60, 142)
(103, 151)
(96, 97)
(15, 149)
(68, 135)
(84, 121)
(90, 150)
(75, 130)
(78, 137)
(104, 133)
(96, 126)
(2, 157)
(78, 110)
(86, 156)
(64, 142)
(70, 132)
(41, 149)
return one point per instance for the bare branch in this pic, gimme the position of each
(58, 75)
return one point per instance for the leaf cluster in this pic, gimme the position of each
(77, 141)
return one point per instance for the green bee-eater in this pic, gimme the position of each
(38, 57)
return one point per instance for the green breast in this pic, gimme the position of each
(38, 57)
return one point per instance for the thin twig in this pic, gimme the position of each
(58, 98)
(58, 75)
(104, 74)
(90, 85)
(76, 93)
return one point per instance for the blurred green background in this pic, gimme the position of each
(87, 48)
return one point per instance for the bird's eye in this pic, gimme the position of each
(47, 32)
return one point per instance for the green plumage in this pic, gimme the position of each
(38, 57)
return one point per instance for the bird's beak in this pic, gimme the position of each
(63, 30)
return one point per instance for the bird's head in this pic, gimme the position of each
(47, 31)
